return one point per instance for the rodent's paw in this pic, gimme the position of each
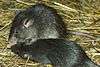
(26, 55)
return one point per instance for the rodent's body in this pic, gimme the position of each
(58, 52)
(39, 33)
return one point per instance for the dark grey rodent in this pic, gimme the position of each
(39, 33)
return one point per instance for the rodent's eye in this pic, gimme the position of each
(16, 32)
(27, 23)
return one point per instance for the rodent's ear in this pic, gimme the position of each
(27, 23)
(18, 11)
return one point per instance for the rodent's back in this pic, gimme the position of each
(49, 24)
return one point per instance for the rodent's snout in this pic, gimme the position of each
(10, 45)
(12, 41)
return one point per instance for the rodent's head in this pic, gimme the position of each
(22, 33)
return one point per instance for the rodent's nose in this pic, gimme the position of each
(12, 41)
(10, 45)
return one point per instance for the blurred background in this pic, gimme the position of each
(82, 19)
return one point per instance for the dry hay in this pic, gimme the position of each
(82, 18)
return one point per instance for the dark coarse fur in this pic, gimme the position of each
(42, 22)
(58, 52)
(39, 33)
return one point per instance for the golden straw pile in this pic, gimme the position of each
(82, 18)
